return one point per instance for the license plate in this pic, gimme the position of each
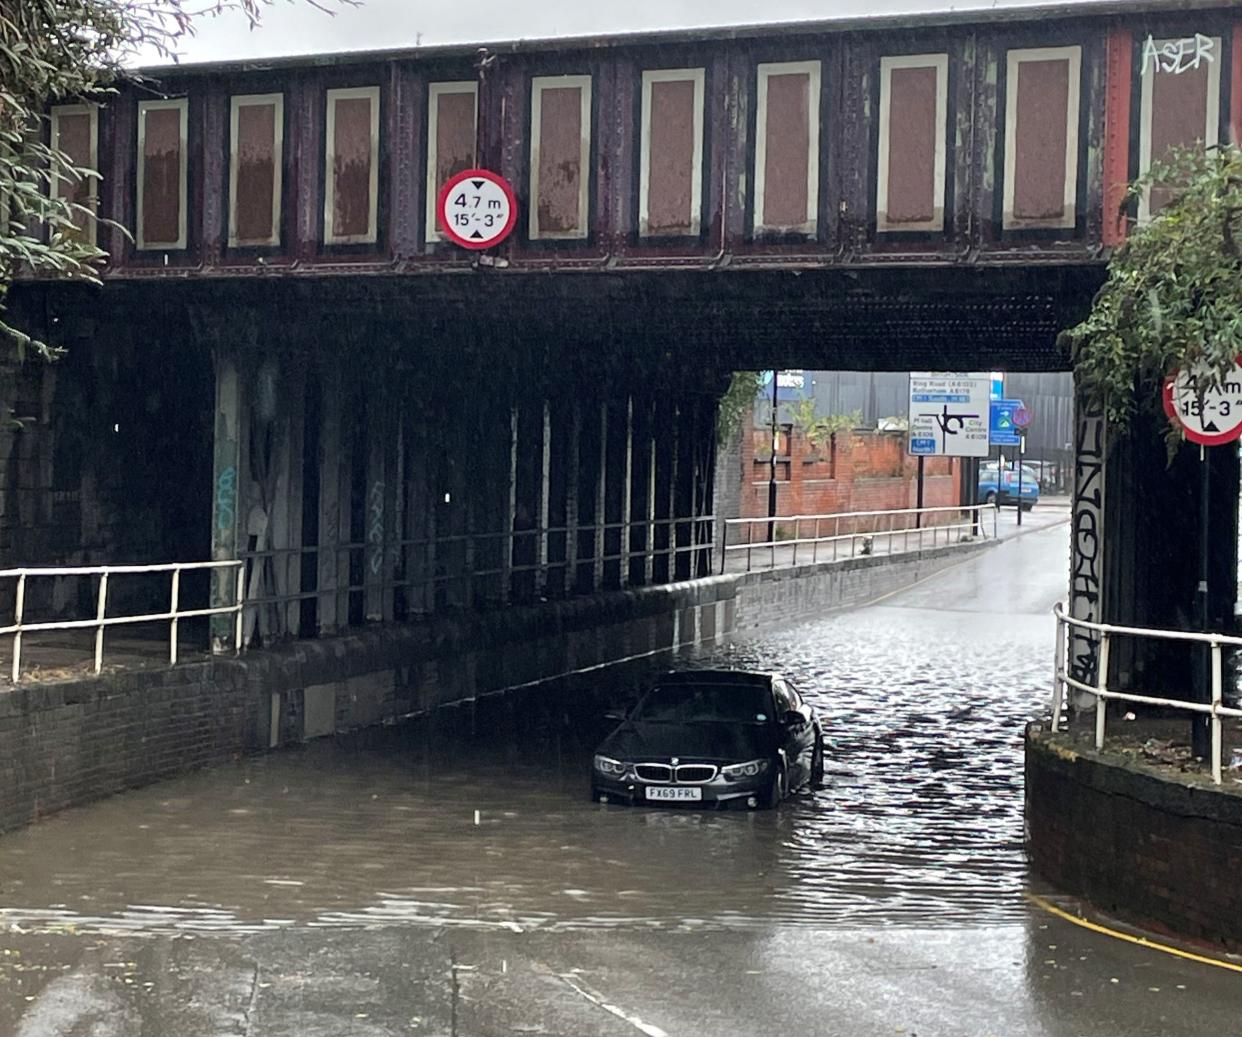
(674, 792)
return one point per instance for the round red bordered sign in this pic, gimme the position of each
(476, 209)
(1209, 410)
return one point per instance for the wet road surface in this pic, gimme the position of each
(350, 888)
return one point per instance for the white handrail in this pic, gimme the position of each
(1062, 679)
(905, 530)
(103, 621)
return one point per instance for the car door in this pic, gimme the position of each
(798, 739)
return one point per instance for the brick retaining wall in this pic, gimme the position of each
(1163, 853)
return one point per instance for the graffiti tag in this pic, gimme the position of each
(226, 499)
(375, 527)
(1178, 56)
(1086, 571)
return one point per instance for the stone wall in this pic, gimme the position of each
(1137, 844)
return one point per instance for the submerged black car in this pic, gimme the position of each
(712, 737)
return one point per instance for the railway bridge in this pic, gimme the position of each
(287, 360)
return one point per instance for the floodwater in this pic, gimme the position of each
(482, 819)
(451, 878)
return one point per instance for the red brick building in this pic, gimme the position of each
(856, 471)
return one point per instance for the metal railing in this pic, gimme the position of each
(870, 527)
(102, 621)
(1104, 633)
(423, 565)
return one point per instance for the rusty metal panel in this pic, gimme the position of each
(452, 131)
(1180, 104)
(1116, 162)
(1041, 137)
(162, 174)
(75, 132)
(560, 156)
(671, 175)
(351, 194)
(787, 147)
(256, 135)
(911, 167)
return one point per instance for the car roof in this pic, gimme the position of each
(717, 677)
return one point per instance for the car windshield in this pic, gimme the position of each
(704, 703)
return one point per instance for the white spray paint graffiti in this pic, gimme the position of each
(1178, 56)
(375, 527)
(1087, 547)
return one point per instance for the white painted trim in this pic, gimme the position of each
(183, 106)
(1073, 55)
(331, 97)
(537, 86)
(1211, 129)
(236, 103)
(92, 201)
(940, 62)
(765, 71)
(434, 93)
(671, 75)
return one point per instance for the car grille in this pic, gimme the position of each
(654, 771)
(692, 773)
(686, 774)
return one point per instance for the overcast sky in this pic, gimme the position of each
(295, 27)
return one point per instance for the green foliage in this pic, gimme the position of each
(819, 432)
(65, 51)
(737, 404)
(1174, 291)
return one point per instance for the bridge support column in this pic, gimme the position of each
(601, 499)
(227, 499)
(331, 562)
(572, 480)
(625, 545)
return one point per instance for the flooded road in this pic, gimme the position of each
(451, 877)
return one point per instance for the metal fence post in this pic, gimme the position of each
(19, 606)
(1058, 659)
(796, 537)
(1216, 699)
(174, 606)
(100, 610)
(239, 601)
(1101, 684)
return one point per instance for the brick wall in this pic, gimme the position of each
(1160, 852)
(860, 471)
(68, 742)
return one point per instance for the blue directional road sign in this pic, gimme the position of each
(1002, 430)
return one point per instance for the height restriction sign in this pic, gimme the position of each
(476, 209)
(1207, 406)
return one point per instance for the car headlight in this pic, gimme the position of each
(613, 768)
(744, 770)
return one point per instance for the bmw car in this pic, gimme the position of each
(712, 738)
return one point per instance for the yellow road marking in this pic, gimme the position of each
(1140, 941)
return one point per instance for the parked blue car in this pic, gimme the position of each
(1009, 486)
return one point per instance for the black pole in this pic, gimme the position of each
(1201, 725)
(918, 518)
(772, 467)
(1021, 451)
